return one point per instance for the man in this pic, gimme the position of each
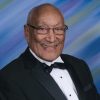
(32, 76)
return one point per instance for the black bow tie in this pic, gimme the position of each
(48, 69)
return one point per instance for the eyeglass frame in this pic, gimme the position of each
(48, 29)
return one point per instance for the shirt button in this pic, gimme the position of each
(60, 76)
(70, 95)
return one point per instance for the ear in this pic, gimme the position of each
(26, 32)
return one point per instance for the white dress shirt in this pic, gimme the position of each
(62, 78)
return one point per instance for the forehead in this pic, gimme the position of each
(48, 15)
(50, 18)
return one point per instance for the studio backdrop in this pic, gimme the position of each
(82, 37)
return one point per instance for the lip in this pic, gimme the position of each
(49, 46)
(50, 49)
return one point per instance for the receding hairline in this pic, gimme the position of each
(35, 10)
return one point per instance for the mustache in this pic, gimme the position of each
(51, 44)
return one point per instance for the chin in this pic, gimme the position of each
(50, 57)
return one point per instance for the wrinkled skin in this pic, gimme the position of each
(49, 46)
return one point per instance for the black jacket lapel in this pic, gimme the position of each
(42, 77)
(48, 83)
(75, 76)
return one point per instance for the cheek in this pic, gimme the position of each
(35, 45)
(48, 53)
(45, 50)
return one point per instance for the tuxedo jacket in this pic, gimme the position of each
(24, 79)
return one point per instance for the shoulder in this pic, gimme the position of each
(71, 59)
(13, 68)
(15, 64)
(18, 67)
(79, 65)
(75, 62)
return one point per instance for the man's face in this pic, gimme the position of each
(47, 46)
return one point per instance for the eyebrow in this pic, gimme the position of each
(45, 24)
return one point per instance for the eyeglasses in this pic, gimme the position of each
(45, 30)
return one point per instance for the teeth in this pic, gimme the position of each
(45, 44)
(50, 45)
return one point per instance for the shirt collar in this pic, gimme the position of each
(44, 61)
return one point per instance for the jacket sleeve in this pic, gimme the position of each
(84, 75)
(9, 90)
(87, 82)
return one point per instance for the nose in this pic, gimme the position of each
(51, 36)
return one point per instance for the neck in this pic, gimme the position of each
(44, 61)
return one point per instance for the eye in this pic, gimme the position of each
(41, 28)
(59, 28)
